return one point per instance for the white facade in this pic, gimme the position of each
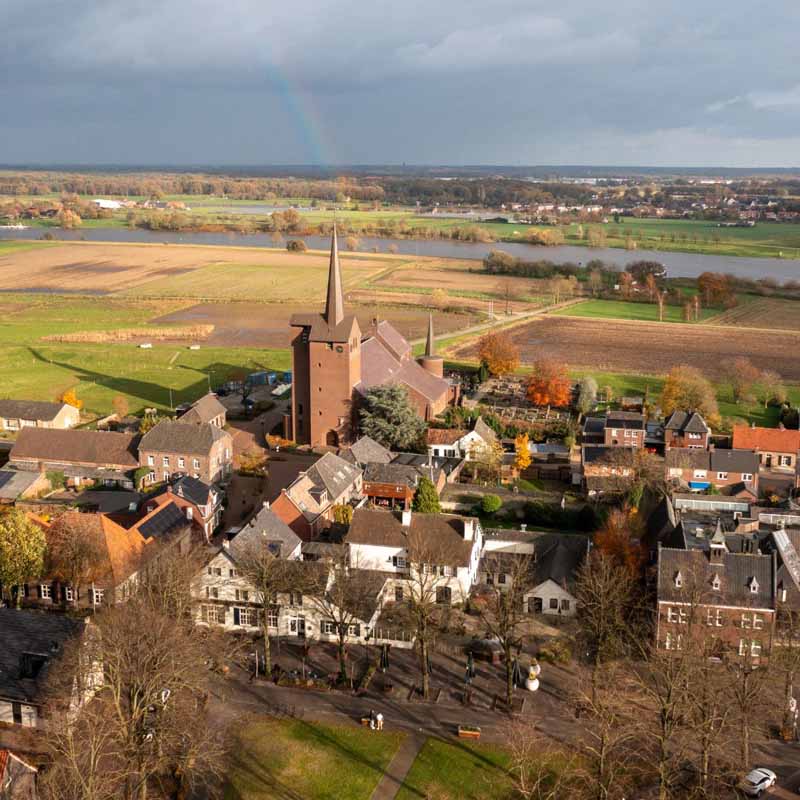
(458, 449)
(551, 599)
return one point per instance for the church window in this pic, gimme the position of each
(339, 349)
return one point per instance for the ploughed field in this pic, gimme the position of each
(767, 312)
(649, 349)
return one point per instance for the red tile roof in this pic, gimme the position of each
(772, 440)
(443, 435)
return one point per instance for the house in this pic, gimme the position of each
(18, 414)
(202, 502)
(206, 410)
(615, 429)
(555, 559)
(733, 472)
(82, 456)
(31, 642)
(333, 365)
(17, 777)
(683, 429)
(455, 443)
(175, 447)
(723, 601)
(395, 484)
(777, 448)
(307, 504)
(367, 451)
(604, 468)
(380, 540)
(18, 485)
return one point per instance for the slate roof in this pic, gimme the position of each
(30, 409)
(192, 489)
(30, 632)
(684, 422)
(14, 482)
(205, 409)
(171, 436)
(320, 331)
(385, 529)
(593, 453)
(444, 463)
(771, 440)
(630, 420)
(392, 339)
(712, 460)
(264, 529)
(399, 474)
(368, 451)
(735, 571)
(332, 474)
(163, 521)
(55, 446)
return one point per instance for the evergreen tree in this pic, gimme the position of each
(388, 418)
(426, 500)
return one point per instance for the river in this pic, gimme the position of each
(679, 265)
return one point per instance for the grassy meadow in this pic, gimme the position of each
(620, 309)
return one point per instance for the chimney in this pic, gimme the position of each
(523, 527)
(265, 504)
(406, 518)
(226, 544)
(469, 529)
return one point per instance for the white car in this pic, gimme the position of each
(757, 781)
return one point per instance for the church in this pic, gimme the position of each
(334, 362)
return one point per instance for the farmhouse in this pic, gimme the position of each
(80, 454)
(18, 414)
(207, 409)
(333, 365)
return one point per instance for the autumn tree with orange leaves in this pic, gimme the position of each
(499, 353)
(549, 384)
(620, 538)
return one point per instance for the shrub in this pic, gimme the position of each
(296, 246)
(57, 479)
(491, 503)
(555, 651)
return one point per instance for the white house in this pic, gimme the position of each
(453, 443)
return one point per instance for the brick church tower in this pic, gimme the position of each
(326, 366)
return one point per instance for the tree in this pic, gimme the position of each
(22, 550)
(626, 284)
(486, 459)
(502, 606)
(595, 281)
(537, 770)
(296, 246)
(652, 287)
(620, 539)
(147, 722)
(549, 384)
(522, 451)
(742, 376)
(387, 417)
(352, 242)
(642, 269)
(714, 287)
(120, 406)
(771, 387)
(587, 394)
(491, 504)
(74, 549)
(686, 389)
(70, 397)
(149, 421)
(69, 219)
(632, 472)
(426, 498)
(498, 352)
(438, 298)
(343, 513)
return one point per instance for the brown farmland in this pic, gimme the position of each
(648, 349)
(267, 325)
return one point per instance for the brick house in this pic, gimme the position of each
(83, 456)
(18, 414)
(201, 502)
(395, 484)
(201, 450)
(307, 504)
(684, 429)
(730, 471)
(724, 600)
(615, 429)
(207, 409)
(777, 448)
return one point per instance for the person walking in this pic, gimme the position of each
(379, 720)
(372, 719)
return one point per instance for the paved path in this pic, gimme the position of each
(389, 785)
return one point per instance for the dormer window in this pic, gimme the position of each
(678, 580)
(753, 585)
(715, 583)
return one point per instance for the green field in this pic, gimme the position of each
(308, 762)
(620, 309)
(40, 371)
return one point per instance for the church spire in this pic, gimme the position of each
(334, 307)
(430, 345)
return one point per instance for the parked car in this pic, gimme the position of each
(757, 781)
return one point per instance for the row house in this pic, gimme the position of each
(174, 447)
(777, 448)
(615, 429)
(732, 472)
(721, 600)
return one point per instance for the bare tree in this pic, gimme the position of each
(502, 606)
(746, 685)
(74, 549)
(538, 771)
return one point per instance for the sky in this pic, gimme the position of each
(518, 82)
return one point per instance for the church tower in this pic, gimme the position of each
(326, 366)
(430, 361)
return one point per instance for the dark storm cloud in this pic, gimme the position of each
(509, 81)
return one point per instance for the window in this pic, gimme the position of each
(98, 595)
(165, 461)
(69, 594)
(753, 586)
(272, 618)
(295, 599)
(758, 622)
(242, 596)
(213, 614)
(722, 476)
(232, 573)
(672, 614)
(700, 474)
(747, 621)
(695, 435)
(715, 583)
(673, 641)
(554, 603)
(151, 461)
(565, 604)
(742, 647)
(181, 462)
(328, 627)
(46, 591)
(678, 580)
(501, 578)
(399, 562)
(714, 617)
(398, 594)
(443, 595)
(354, 629)
(245, 617)
(218, 571)
(755, 648)
(196, 463)
(784, 461)
(212, 591)
(747, 477)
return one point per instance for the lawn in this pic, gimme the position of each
(309, 761)
(620, 309)
(456, 771)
